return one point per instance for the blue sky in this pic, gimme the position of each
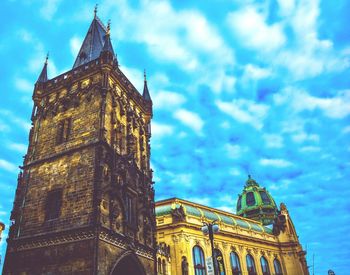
(239, 87)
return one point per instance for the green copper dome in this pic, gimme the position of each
(256, 203)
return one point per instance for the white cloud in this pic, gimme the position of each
(245, 111)
(302, 137)
(159, 130)
(252, 30)
(273, 141)
(200, 200)
(234, 151)
(23, 85)
(159, 80)
(136, 77)
(286, 7)
(190, 119)
(275, 162)
(255, 73)
(309, 56)
(19, 121)
(336, 107)
(19, 147)
(49, 9)
(310, 149)
(75, 43)
(235, 172)
(183, 37)
(167, 100)
(8, 166)
(346, 130)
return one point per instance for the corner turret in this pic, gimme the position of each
(43, 75)
(146, 96)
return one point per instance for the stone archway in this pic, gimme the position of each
(128, 264)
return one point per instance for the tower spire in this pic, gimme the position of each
(145, 94)
(43, 75)
(95, 11)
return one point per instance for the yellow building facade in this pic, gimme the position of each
(243, 246)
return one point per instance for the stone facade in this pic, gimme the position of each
(85, 197)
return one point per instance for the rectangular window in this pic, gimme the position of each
(53, 204)
(130, 212)
(63, 130)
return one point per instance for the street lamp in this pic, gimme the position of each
(210, 229)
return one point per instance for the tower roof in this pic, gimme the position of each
(43, 75)
(93, 43)
(145, 94)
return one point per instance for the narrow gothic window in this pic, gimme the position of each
(53, 204)
(130, 213)
(63, 130)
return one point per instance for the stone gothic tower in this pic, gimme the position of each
(84, 202)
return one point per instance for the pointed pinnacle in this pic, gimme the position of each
(47, 58)
(95, 10)
(108, 27)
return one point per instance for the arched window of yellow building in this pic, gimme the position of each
(250, 265)
(164, 267)
(198, 261)
(159, 266)
(277, 266)
(235, 265)
(220, 262)
(264, 266)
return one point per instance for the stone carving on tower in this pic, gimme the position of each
(85, 199)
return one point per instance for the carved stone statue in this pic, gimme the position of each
(178, 214)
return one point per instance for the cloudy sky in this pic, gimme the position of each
(239, 87)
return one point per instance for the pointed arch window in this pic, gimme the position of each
(264, 266)
(250, 265)
(235, 264)
(198, 260)
(277, 267)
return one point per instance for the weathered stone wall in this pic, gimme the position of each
(74, 173)
(71, 258)
(84, 115)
